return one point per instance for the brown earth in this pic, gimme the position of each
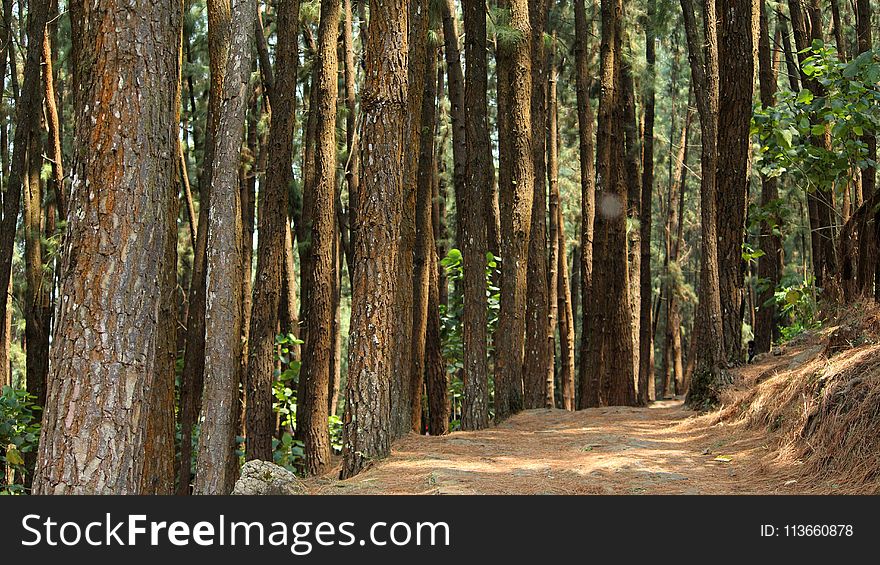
(663, 449)
(803, 419)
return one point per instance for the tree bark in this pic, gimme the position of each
(27, 113)
(367, 429)
(610, 356)
(554, 226)
(646, 327)
(401, 393)
(516, 187)
(193, 375)
(478, 190)
(223, 324)
(736, 66)
(770, 264)
(708, 357)
(538, 358)
(104, 358)
(271, 247)
(589, 386)
(313, 405)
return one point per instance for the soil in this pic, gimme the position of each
(663, 449)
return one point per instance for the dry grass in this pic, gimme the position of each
(819, 404)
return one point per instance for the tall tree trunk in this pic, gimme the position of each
(610, 356)
(554, 227)
(671, 375)
(708, 330)
(367, 427)
(633, 182)
(193, 375)
(313, 405)
(588, 387)
(646, 327)
(770, 264)
(272, 246)
(27, 114)
(736, 34)
(516, 179)
(422, 275)
(478, 190)
(223, 324)
(562, 292)
(537, 359)
(868, 251)
(115, 265)
(435, 367)
(401, 347)
(38, 288)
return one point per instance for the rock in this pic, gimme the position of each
(264, 478)
(804, 356)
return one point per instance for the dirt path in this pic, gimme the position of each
(664, 449)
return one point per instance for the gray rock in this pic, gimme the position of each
(264, 478)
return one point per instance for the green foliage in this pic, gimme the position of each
(451, 315)
(287, 451)
(797, 304)
(848, 107)
(19, 434)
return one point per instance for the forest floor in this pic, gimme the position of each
(781, 429)
(662, 449)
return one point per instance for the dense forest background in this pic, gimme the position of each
(299, 240)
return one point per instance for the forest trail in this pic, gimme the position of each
(663, 449)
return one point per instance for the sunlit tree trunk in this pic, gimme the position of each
(116, 267)
(223, 324)
(367, 429)
(515, 185)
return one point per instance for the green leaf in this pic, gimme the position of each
(13, 457)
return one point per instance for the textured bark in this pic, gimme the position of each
(589, 386)
(108, 330)
(559, 261)
(401, 388)
(53, 143)
(27, 113)
(646, 327)
(436, 376)
(516, 190)
(610, 355)
(193, 375)
(158, 475)
(352, 166)
(557, 238)
(367, 429)
(708, 332)
(868, 251)
(770, 264)
(271, 247)
(633, 183)
(737, 19)
(538, 358)
(672, 376)
(475, 201)
(36, 296)
(289, 312)
(425, 246)
(426, 321)
(315, 374)
(223, 324)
